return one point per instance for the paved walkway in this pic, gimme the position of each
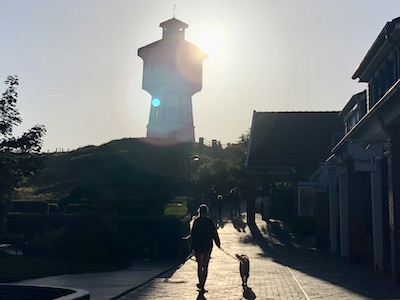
(106, 285)
(279, 269)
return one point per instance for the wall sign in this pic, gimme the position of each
(365, 158)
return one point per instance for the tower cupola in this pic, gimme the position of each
(173, 28)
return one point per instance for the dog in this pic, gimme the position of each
(244, 268)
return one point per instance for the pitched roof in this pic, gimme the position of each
(387, 39)
(174, 23)
(359, 99)
(172, 44)
(285, 140)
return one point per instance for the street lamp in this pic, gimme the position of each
(189, 160)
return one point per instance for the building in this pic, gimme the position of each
(365, 211)
(288, 147)
(172, 74)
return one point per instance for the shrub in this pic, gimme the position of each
(84, 237)
(134, 210)
(91, 237)
(31, 224)
(53, 208)
(98, 238)
(50, 245)
(94, 208)
(29, 206)
(153, 237)
(80, 195)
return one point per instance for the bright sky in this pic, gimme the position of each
(80, 75)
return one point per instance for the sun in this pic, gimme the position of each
(209, 41)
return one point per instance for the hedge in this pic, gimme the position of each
(151, 237)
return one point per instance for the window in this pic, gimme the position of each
(374, 91)
(383, 79)
(392, 68)
(156, 113)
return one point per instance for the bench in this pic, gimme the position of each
(17, 240)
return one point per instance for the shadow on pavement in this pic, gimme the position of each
(164, 275)
(278, 243)
(248, 294)
(239, 224)
(201, 296)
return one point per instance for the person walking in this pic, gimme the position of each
(235, 198)
(203, 233)
(212, 202)
(220, 205)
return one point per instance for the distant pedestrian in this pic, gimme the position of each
(235, 202)
(204, 232)
(212, 202)
(220, 205)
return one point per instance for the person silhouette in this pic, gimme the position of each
(212, 202)
(220, 204)
(235, 202)
(203, 233)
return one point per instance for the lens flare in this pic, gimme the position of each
(209, 41)
(155, 102)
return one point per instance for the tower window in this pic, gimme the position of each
(156, 113)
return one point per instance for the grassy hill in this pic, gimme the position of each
(127, 169)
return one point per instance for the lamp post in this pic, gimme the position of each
(189, 160)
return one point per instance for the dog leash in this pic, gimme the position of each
(227, 253)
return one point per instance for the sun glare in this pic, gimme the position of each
(209, 41)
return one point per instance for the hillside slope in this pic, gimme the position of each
(120, 170)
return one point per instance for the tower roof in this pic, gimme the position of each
(277, 142)
(174, 28)
(174, 24)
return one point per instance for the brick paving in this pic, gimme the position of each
(279, 269)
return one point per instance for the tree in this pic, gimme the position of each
(223, 169)
(79, 195)
(213, 172)
(237, 154)
(19, 156)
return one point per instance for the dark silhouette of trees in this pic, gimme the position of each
(19, 156)
(222, 169)
(80, 195)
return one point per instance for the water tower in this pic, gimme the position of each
(172, 74)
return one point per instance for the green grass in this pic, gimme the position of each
(15, 268)
(178, 209)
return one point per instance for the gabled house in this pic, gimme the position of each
(288, 147)
(354, 110)
(367, 208)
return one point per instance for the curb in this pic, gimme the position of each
(151, 279)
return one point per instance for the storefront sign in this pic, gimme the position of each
(365, 158)
(280, 171)
(327, 174)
